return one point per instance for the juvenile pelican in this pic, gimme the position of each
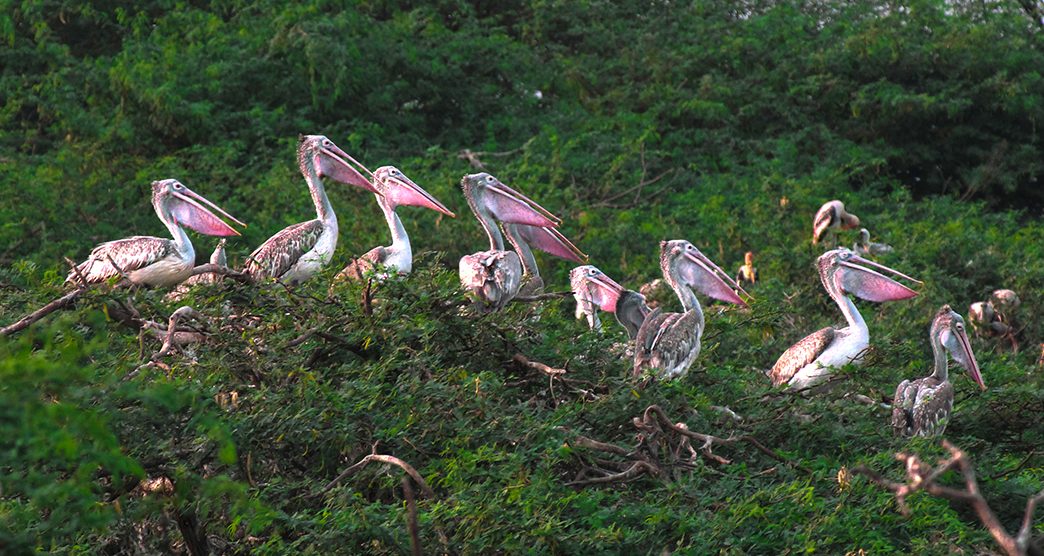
(866, 248)
(593, 290)
(297, 252)
(810, 361)
(546, 239)
(922, 407)
(832, 217)
(494, 277)
(671, 341)
(394, 190)
(154, 261)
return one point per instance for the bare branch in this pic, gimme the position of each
(383, 459)
(540, 297)
(24, 322)
(222, 270)
(76, 272)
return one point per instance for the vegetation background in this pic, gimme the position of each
(637, 121)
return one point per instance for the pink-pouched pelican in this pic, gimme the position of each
(549, 240)
(842, 272)
(832, 217)
(671, 341)
(297, 252)
(394, 190)
(922, 407)
(154, 261)
(494, 277)
(594, 291)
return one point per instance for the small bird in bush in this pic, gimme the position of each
(593, 290)
(843, 273)
(298, 252)
(747, 274)
(922, 407)
(832, 217)
(154, 261)
(670, 342)
(866, 248)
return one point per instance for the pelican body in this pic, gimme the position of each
(670, 342)
(747, 273)
(296, 253)
(394, 190)
(809, 362)
(832, 217)
(594, 291)
(922, 407)
(493, 277)
(154, 261)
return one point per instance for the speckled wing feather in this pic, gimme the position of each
(800, 354)
(666, 341)
(824, 218)
(130, 254)
(493, 277)
(362, 264)
(902, 408)
(279, 254)
(931, 411)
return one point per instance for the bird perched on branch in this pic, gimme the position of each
(829, 218)
(866, 248)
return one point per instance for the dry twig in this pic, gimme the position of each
(922, 476)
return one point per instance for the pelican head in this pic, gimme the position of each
(841, 270)
(864, 237)
(1005, 301)
(683, 262)
(397, 189)
(591, 285)
(948, 331)
(176, 203)
(488, 195)
(748, 258)
(329, 161)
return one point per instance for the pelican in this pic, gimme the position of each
(297, 252)
(842, 272)
(866, 248)
(546, 239)
(394, 190)
(984, 319)
(593, 290)
(747, 274)
(217, 258)
(494, 277)
(154, 261)
(671, 341)
(832, 217)
(922, 407)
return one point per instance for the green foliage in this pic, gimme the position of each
(653, 121)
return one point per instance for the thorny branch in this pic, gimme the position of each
(922, 476)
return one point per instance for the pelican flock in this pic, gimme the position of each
(662, 345)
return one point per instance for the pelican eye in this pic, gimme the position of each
(326, 143)
(178, 185)
(490, 179)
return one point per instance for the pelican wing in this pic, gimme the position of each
(362, 264)
(493, 277)
(902, 407)
(667, 341)
(130, 254)
(931, 410)
(800, 354)
(279, 254)
(825, 217)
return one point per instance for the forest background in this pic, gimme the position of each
(725, 123)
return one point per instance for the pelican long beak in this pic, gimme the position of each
(550, 240)
(597, 288)
(871, 285)
(340, 166)
(710, 279)
(188, 210)
(966, 358)
(508, 205)
(405, 192)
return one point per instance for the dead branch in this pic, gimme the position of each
(411, 517)
(221, 270)
(922, 476)
(81, 281)
(383, 459)
(525, 362)
(540, 297)
(24, 322)
(473, 156)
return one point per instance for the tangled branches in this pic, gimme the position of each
(664, 450)
(922, 476)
